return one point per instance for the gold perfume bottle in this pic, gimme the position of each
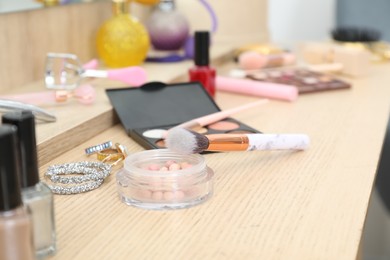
(122, 40)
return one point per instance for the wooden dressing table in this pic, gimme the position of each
(266, 205)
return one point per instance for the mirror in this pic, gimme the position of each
(8, 6)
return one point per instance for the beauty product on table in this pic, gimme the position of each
(354, 59)
(39, 113)
(65, 71)
(36, 195)
(85, 94)
(16, 228)
(367, 38)
(263, 49)
(326, 67)
(169, 32)
(161, 179)
(186, 141)
(355, 34)
(261, 89)
(122, 40)
(203, 121)
(91, 65)
(168, 28)
(202, 72)
(218, 116)
(252, 60)
(147, 112)
(304, 80)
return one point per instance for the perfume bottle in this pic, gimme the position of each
(202, 72)
(122, 40)
(168, 29)
(36, 195)
(16, 230)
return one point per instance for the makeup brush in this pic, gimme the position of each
(215, 117)
(186, 141)
(65, 71)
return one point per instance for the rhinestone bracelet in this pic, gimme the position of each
(93, 173)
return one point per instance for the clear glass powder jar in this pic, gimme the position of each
(162, 179)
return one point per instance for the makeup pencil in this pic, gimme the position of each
(186, 141)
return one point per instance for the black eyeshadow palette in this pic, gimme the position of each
(148, 111)
(305, 80)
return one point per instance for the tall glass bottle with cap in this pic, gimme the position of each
(36, 195)
(16, 233)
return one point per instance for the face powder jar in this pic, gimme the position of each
(161, 179)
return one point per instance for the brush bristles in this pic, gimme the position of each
(185, 141)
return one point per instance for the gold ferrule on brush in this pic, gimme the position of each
(227, 142)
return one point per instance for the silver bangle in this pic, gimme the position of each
(89, 174)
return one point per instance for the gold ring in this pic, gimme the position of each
(109, 155)
(113, 155)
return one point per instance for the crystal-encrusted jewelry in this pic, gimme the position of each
(84, 176)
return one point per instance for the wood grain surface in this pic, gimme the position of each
(266, 205)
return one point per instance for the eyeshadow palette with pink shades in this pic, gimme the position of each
(305, 80)
(148, 111)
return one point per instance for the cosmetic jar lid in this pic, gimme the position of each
(162, 179)
(10, 194)
(25, 123)
(202, 45)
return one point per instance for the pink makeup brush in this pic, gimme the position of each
(209, 119)
(91, 65)
(85, 94)
(65, 71)
(218, 116)
(187, 142)
(134, 76)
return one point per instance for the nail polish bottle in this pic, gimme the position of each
(202, 72)
(36, 195)
(16, 230)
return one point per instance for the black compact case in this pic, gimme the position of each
(156, 105)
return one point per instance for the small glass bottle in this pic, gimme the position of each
(202, 72)
(16, 230)
(122, 40)
(36, 195)
(168, 28)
